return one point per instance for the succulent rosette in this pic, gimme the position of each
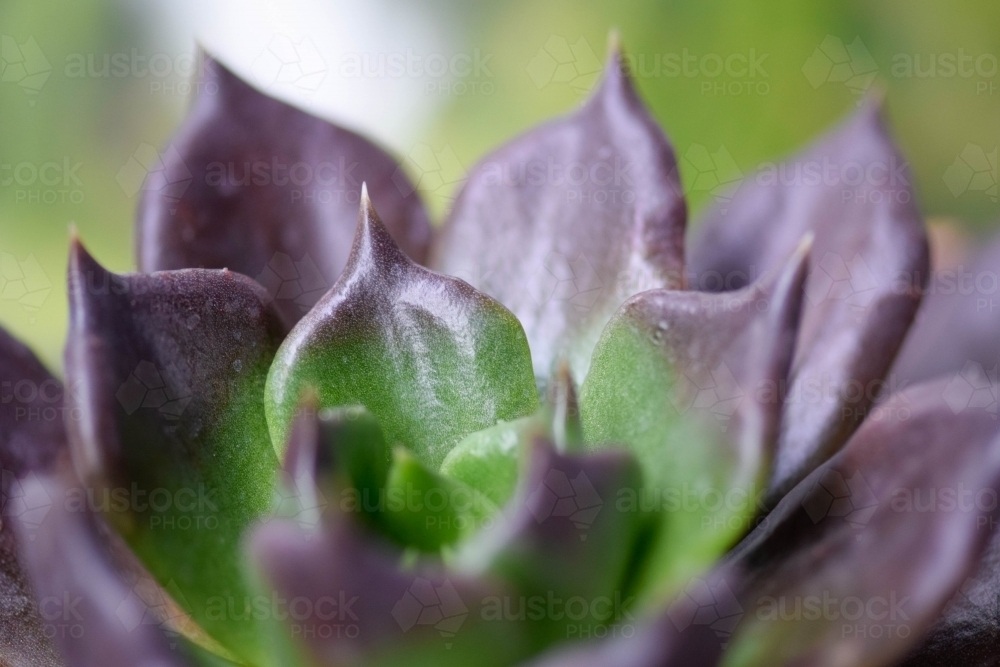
(312, 430)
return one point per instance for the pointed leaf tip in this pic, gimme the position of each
(429, 356)
(268, 190)
(869, 260)
(169, 371)
(561, 251)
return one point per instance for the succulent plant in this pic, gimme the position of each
(313, 430)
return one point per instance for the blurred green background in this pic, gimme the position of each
(71, 132)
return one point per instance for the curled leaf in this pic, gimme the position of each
(427, 510)
(171, 441)
(92, 613)
(31, 439)
(430, 357)
(255, 185)
(564, 223)
(566, 536)
(689, 382)
(335, 455)
(857, 561)
(852, 190)
(958, 324)
(363, 608)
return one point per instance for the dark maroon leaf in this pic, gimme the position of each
(566, 535)
(363, 606)
(91, 611)
(857, 561)
(31, 438)
(564, 223)
(255, 185)
(169, 371)
(852, 189)
(958, 324)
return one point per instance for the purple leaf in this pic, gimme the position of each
(860, 557)
(255, 185)
(565, 535)
(357, 603)
(957, 330)
(564, 223)
(169, 371)
(869, 263)
(31, 439)
(95, 616)
(690, 383)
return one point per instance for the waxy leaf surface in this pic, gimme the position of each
(892, 526)
(688, 382)
(564, 223)
(430, 357)
(255, 185)
(852, 189)
(172, 441)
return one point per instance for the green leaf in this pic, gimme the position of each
(428, 355)
(426, 510)
(491, 460)
(170, 370)
(689, 383)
